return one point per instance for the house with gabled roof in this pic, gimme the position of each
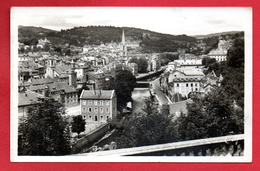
(98, 105)
(26, 100)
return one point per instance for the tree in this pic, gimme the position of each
(142, 64)
(236, 54)
(45, 130)
(213, 115)
(233, 82)
(78, 124)
(147, 128)
(124, 85)
(46, 47)
(207, 60)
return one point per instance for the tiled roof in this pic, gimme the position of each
(38, 87)
(62, 69)
(27, 98)
(98, 94)
(194, 72)
(61, 86)
(41, 81)
(217, 52)
(63, 76)
(66, 87)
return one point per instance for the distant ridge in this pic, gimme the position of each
(215, 34)
(34, 29)
(147, 41)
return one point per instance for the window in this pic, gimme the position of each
(195, 84)
(96, 109)
(196, 89)
(84, 116)
(90, 117)
(107, 102)
(84, 109)
(107, 110)
(89, 109)
(95, 117)
(177, 85)
(187, 85)
(191, 85)
(101, 118)
(101, 110)
(101, 102)
(107, 117)
(95, 102)
(90, 102)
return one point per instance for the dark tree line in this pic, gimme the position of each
(44, 131)
(213, 115)
(232, 71)
(147, 127)
(28, 40)
(210, 116)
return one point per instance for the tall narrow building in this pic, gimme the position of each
(124, 49)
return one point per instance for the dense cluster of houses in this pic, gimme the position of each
(185, 77)
(46, 74)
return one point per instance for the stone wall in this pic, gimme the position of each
(91, 137)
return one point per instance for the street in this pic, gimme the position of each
(158, 92)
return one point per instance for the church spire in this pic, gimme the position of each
(123, 37)
(123, 44)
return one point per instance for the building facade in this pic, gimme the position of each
(98, 106)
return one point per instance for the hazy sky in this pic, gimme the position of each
(190, 21)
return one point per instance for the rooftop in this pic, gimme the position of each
(98, 94)
(28, 98)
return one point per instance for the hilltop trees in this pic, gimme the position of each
(44, 131)
(29, 40)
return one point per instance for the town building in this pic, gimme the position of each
(28, 70)
(60, 91)
(26, 100)
(154, 64)
(180, 82)
(98, 105)
(220, 54)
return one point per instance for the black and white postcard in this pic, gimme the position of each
(131, 84)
